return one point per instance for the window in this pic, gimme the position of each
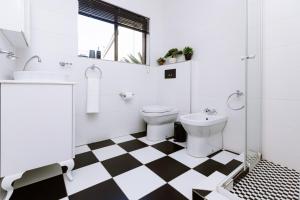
(111, 33)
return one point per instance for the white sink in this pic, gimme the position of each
(39, 76)
(204, 133)
(201, 121)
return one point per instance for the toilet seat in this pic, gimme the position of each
(156, 109)
(153, 114)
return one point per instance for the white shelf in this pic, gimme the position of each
(170, 64)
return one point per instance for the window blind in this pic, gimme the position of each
(104, 11)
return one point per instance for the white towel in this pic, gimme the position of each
(92, 99)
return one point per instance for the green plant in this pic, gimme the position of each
(161, 61)
(133, 59)
(173, 53)
(188, 51)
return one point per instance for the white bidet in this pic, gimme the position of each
(204, 133)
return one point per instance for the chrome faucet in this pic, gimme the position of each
(210, 111)
(30, 59)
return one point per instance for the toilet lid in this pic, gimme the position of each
(156, 109)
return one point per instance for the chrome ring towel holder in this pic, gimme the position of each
(93, 67)
(238, 94)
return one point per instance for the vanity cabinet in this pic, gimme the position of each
(15, 21)
(37, 127)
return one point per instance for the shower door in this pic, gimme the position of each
(253, 81)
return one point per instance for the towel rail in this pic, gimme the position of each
(238, 94)
(93, 67)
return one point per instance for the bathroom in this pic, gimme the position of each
(243, 69)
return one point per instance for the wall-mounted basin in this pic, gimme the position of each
(39, 76)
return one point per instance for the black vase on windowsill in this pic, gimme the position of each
(98, 54)
(92, 54)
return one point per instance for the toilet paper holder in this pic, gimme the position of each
(126, 95)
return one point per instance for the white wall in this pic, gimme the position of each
(281, 74)
(6, 66)
(215, 29)
(54, 38)
(175, 92)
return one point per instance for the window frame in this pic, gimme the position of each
(116, 42)
(116, 29)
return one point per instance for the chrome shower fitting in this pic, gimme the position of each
(9, 54)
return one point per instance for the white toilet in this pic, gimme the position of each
(160, 121)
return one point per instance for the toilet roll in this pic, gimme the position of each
(127, 95)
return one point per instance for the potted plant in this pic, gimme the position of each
(161, 61)
(173, 54)
(188, 53)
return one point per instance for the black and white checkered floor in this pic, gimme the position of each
(269, 181)
(131, 167)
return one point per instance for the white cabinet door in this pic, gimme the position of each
(15, 21)
(36, 126)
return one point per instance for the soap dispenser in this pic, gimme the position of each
(98, 54)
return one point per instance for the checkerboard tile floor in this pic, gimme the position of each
(269, 181)
(132, 168)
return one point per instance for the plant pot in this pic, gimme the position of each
(161, 62)
(188, 56)
(172, 60)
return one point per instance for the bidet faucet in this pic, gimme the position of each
(30, 59)
(210, 111)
